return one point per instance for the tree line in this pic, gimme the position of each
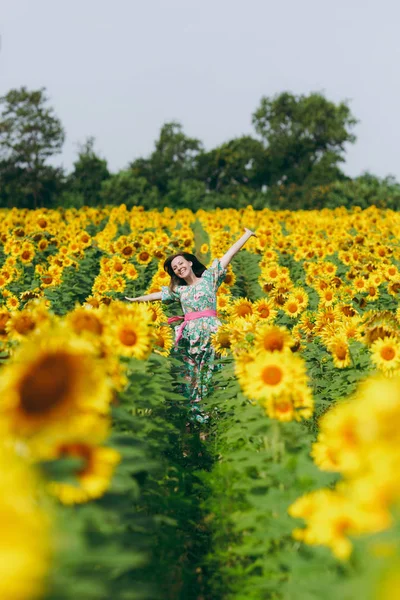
(292, 161)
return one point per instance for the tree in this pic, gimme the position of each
(305, 137)
(90, 171)
(174, 158)
(30, 134)
(240, 162)
(126, 188)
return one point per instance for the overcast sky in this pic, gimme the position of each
(118, 69)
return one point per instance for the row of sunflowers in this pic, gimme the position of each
(309, 309)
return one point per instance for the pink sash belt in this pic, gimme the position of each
(209, 312)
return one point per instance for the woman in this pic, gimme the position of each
(195, 287)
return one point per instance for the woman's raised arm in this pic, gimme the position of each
(147, 298)
(226, 259)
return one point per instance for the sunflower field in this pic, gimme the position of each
(290, 491)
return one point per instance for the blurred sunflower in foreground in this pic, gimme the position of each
(51, 380)
(25, 545)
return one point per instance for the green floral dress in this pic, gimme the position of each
(194, 347)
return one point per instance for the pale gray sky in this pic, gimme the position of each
(119, 69)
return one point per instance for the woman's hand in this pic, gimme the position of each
(250, 231)
(130, 299)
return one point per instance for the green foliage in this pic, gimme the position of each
(173, 158)
(30, 134)
(239, 162)
(144, 539)
(88, 175)
(295, 164)
(303, 134)
(262, 467)
(130, 189)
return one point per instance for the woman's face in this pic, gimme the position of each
(181, 267)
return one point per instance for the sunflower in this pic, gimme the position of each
(394, 287)
(230, 277)
(131, 272)
(303, 402)
(360, 284)
(326, 316)
(85, 319)
(127, 250)
(25, 546)
(29, 294)
(327, 296)
(27, 253)
(391, 272)
(271, 273)
(270, 374)
(221, 340)
(372, 292)
(3, 280)
(280, 407)
(117, 266)
(4, 317)
(204, 249)
(117, 284)
(92, 301)
(378, 325)
(52, 378)
(100, 285)
(12, 302)
(324, 456)
(144, 257)
(93, 475)
(131, 336)
(329, 268)
(241, 307)
(301, 296)
(338, 346)
(51, 279)
(21, 324)
(163, 340)
(272, 338)
(42, 245)
(292, 307)
(385, 354)
(264, 309)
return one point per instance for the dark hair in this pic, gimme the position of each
(197, 267)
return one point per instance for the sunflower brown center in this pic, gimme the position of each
(271, 375)
(225, 341)
(128, 337)
(48, 384)
(127, 250)
(24, 324)
(88, 323)
(341, 351)
(388, 353)
(292, 307)
(3, 320)
(264, 312)
(160, 341)
(273, 341)
(244, 309)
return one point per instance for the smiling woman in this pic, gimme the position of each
(195, 287)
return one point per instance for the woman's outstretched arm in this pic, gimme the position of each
(147, 298)
(226, 259)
